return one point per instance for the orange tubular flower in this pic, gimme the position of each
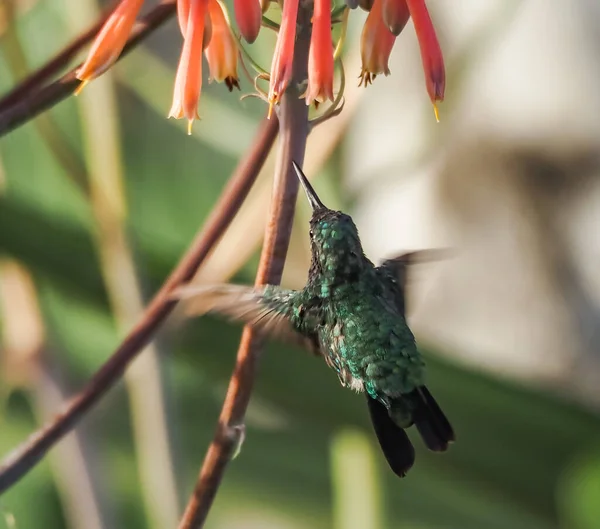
(183, 12)
(248, 15)
(110, 41)
(188, 81)
(376, 44)
(320, 59)
(283, 56)
(395, 15)
(222, 52)
(431, 53)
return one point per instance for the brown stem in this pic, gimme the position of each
(31, 451)
(35, 102)
(293, 117)
(52, 67)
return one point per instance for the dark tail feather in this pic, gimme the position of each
(395, 444)
(434, 427)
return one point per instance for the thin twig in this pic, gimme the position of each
(34, 80)
(24, 109)
(33, 449)
(293, 116)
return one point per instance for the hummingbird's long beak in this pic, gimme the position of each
(313, 198)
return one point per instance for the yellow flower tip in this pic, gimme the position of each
(436, 112)
(273, 100)
(81, 86)
(191, 118)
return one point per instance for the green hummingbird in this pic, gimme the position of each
(351, 313)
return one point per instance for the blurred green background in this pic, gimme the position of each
(78, 261)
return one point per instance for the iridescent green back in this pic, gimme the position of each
(361, 329)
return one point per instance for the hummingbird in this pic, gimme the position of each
(352, 314)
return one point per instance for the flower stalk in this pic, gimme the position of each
(294, 128)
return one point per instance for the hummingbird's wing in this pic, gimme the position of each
(264, 311)
(396, 269)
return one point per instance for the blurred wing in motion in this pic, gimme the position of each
(396, 268)
(249, 305)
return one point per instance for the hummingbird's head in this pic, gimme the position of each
(335, 245)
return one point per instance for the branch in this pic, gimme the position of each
(20, 461)
(35, 102)
(230, 429)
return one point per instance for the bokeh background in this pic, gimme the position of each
(100, 197)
